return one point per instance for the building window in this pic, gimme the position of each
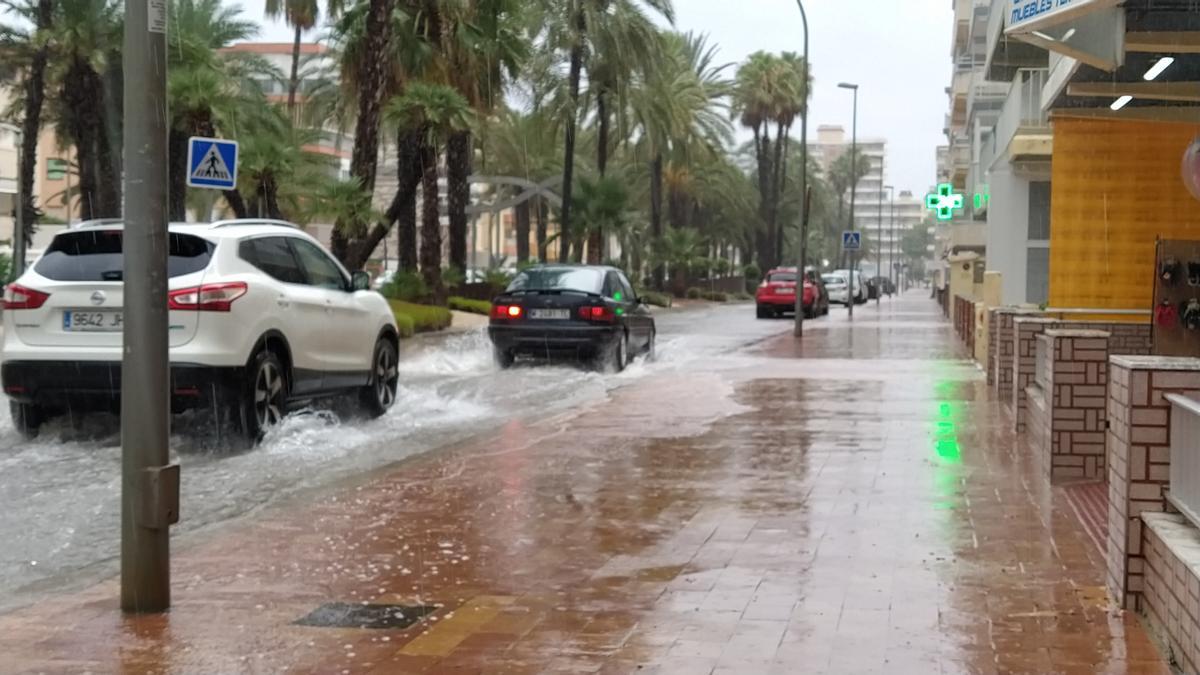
(1039, 211)
(1037, 275)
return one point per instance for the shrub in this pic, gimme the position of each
(497, 278)
(752, 273)
(694, 293)
(742, 297)
(424, 318)
(656, 299)
(715, 296)
(406, 286)
(452, 277)
(470, 306)
(404, 324)
(5, 267)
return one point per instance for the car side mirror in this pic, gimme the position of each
(360, 281)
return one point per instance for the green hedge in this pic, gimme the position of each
(404, 324)
(656, 299)
(424, 318)
(470, 306)
(715, 296)
(694, 293)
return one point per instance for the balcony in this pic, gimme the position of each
(1023, 129)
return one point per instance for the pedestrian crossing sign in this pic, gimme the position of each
(212, 163)
(851, 240)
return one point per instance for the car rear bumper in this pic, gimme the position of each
(781, 301)
(97, 384)
(553, 340)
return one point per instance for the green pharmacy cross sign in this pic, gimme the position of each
(945, 202)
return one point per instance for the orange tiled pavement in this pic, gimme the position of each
(863, 509)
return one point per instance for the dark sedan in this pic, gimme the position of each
(580, 312)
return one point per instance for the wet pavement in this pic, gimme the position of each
(854, 504)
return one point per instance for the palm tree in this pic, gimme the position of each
(302, 16)
(516, 144)
(208, 91)
(841, 180)
(83, 66)
(29, 55)
(769, 91)
(602, 206)
(682, 251)
(610, 39)
(437, 111)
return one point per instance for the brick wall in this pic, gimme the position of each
(1002, 341)
(1025, 332)
(1076, 395)
(1139, 457)
(1171, 596)
(993, 343)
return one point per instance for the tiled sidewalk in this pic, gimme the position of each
(854, 505)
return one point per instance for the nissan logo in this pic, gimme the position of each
(98, 298)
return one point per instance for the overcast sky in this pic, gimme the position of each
(897, 52)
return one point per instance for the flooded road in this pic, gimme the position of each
(60, 492)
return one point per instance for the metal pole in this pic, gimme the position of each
(798, 331)
(853, 190)
(149, 486)
(892, 271)
(879, 232)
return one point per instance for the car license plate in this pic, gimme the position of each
(787, 291)
(549, 313)
(94, 322)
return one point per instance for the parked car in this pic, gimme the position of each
(858, 288)
(251, 306)
(582, 312)
(776, 294)
(835, 285)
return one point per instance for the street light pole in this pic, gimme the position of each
(19, 244)
(149, 483)
(879, 232)
(853, 187)
(892, 192)
(804, 196)
(892, 271)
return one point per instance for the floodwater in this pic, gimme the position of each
(60, 493)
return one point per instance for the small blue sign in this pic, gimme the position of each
(212, 163)
(851, 240)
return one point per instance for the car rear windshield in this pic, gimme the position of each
(95, 255)
(833, 279)
(782, 277)
(584, 280)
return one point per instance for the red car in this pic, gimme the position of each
(777, 294)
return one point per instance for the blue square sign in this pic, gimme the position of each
(851, 240)
(212, 163)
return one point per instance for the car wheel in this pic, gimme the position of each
(265, 397)
(762, 312)
(379, 396)
(504, 359)
(27, 418)
(651, 349)
(618, 354)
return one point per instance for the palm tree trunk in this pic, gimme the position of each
(656, 215)
(31, 123)
(236, 203)
(458, 173)
(543, 221)
(522, 226)
(372, 75)
(765, 200)
(777, 194)
(294, 82)
(575, 74)
(596, 239)
(177, 147)
(431, 222)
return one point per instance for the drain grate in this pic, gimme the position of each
(346, 615)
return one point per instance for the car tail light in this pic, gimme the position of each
(507, 311)
(206, 298)
(19, 297)
(598, 313)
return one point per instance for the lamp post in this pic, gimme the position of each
(892, 231)
(19, 244)
(853, 186)
(804, 200)
(879, 233)
(892, 271)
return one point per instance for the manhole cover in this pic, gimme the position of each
(346, 615)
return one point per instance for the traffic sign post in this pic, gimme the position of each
(212, 163)
(851, 243)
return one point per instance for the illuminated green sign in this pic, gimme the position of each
(944, 202)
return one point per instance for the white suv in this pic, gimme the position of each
(261, 318)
